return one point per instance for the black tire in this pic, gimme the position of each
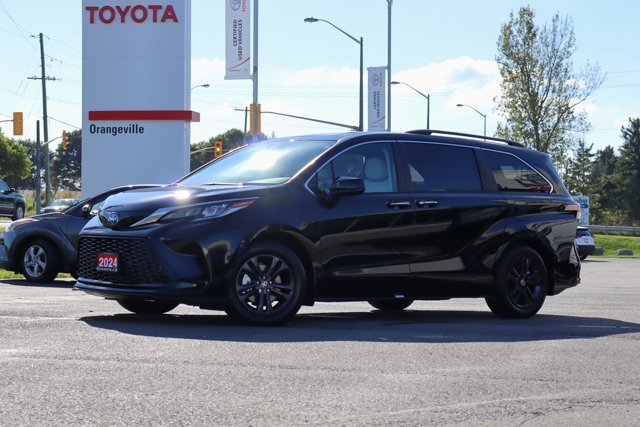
(583, 257)
(267, 286)
(521, 284)
(18, 212)
(39, 261)
(147, 306)
(391, 304)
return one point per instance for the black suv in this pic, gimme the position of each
(387, 218)
(11, 202)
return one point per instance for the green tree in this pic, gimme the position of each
(66, 167)
(605, 193)
(540, 91)
(628, 172)
(578, 178)
(14, 160)
(202, 152)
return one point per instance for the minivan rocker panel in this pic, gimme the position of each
(384, 218)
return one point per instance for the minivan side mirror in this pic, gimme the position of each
(347, 186)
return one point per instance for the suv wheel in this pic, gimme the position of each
(18, 213)
(39, 261)
(144, 306)
(391, 304)
(520, 286)
(267, 286)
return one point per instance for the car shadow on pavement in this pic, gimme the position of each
(411, 326)
(60, 283)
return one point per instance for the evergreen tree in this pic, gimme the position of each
(66, 167)
(580, 167)
(628, 173)
(604, 191)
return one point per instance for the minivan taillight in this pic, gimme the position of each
(573, 207)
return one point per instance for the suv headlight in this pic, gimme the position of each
(19, 222)
(199, 211)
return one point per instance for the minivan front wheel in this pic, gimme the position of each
(521, 283)
(268, 285)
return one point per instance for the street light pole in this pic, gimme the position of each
(390, 3)
(427, 96)
(484, 116)
(202, 85)
(361, 43)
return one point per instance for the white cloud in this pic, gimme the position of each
(624, 121)
(460, 80)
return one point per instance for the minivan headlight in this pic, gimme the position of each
(199, 211)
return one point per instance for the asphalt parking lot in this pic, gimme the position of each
(67, 358)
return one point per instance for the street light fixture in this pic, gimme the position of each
(361, 43)
(428, 97)
(202, 85)
(484, 116)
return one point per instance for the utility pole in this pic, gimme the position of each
(45, 119)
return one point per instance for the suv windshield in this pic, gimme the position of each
(267, 162)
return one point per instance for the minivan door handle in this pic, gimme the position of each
(398, 204)
(426, 203)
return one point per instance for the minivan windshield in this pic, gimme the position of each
(266, 162)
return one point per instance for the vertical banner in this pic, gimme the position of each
(376, 99)
(237, 40)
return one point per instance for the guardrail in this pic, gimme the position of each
(635, 230)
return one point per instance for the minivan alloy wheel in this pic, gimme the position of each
(524, 283)
(264, 283)
(520, 285)
(268, 286)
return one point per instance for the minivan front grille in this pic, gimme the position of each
(136, 262)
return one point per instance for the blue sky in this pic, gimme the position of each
(446, 49)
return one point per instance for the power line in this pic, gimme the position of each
(64, 123)
(23, 31)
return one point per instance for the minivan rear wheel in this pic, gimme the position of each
(268, 285)
(521, 283)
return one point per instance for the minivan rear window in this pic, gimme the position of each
(512, 174)
(436, 167)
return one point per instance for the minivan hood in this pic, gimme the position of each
(132, 206)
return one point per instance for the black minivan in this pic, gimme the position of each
(387, 218)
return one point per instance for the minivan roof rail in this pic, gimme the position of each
(466, 135)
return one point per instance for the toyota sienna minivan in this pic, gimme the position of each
(387, 218)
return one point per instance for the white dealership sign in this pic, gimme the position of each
(237, 40)
(376, 99)
(136, 67)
